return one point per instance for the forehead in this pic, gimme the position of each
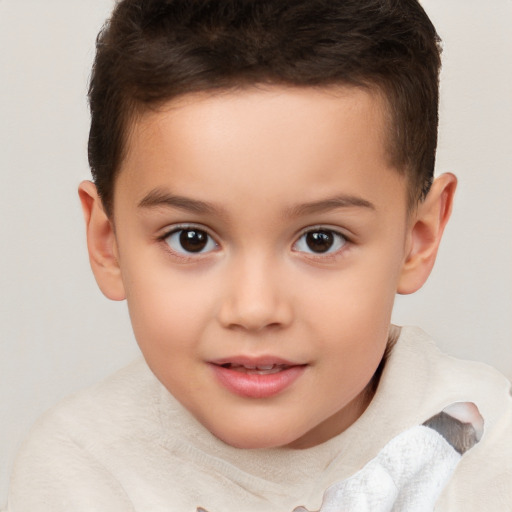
(258, 106)
(258, 138)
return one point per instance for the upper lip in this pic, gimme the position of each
(259, 361)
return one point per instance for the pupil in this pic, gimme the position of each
(193, 240)
(319, 241)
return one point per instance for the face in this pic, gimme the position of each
(260, 237)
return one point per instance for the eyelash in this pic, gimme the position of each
(187, 255)
(339, 239)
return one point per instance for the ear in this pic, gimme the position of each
(101, 243)
(425, 232)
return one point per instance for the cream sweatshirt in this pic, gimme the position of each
(127, 445)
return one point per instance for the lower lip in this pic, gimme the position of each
(256, 385)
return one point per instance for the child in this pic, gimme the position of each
(263, 189)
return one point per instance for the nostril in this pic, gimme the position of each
(253, 317)
(254, 301)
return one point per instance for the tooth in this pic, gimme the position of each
(250, 367)
(266, 367)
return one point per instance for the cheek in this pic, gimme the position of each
(356, 297)
(168, 309)
(169, 318)
(351, 313)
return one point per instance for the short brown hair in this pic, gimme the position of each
(151, 51)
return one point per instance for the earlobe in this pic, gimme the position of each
(101, 243)
(425, 234)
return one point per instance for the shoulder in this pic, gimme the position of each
(67, 456)
(482, 479)
(112, 405)
(419, 381)
(417, 355)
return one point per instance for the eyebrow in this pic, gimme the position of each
(331, 203)
(157, 198)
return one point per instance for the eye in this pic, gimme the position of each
(190, 241)
(320, 241)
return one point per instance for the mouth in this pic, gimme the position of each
(266, 369)
(257, 378)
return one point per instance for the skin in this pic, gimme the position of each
(266, 166)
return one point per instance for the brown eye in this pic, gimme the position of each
(193, 240)
(320, 241)
(190, 241)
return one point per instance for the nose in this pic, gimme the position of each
(255, 297)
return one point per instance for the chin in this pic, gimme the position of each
(244, 439)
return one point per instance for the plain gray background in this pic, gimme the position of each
(57, 332)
